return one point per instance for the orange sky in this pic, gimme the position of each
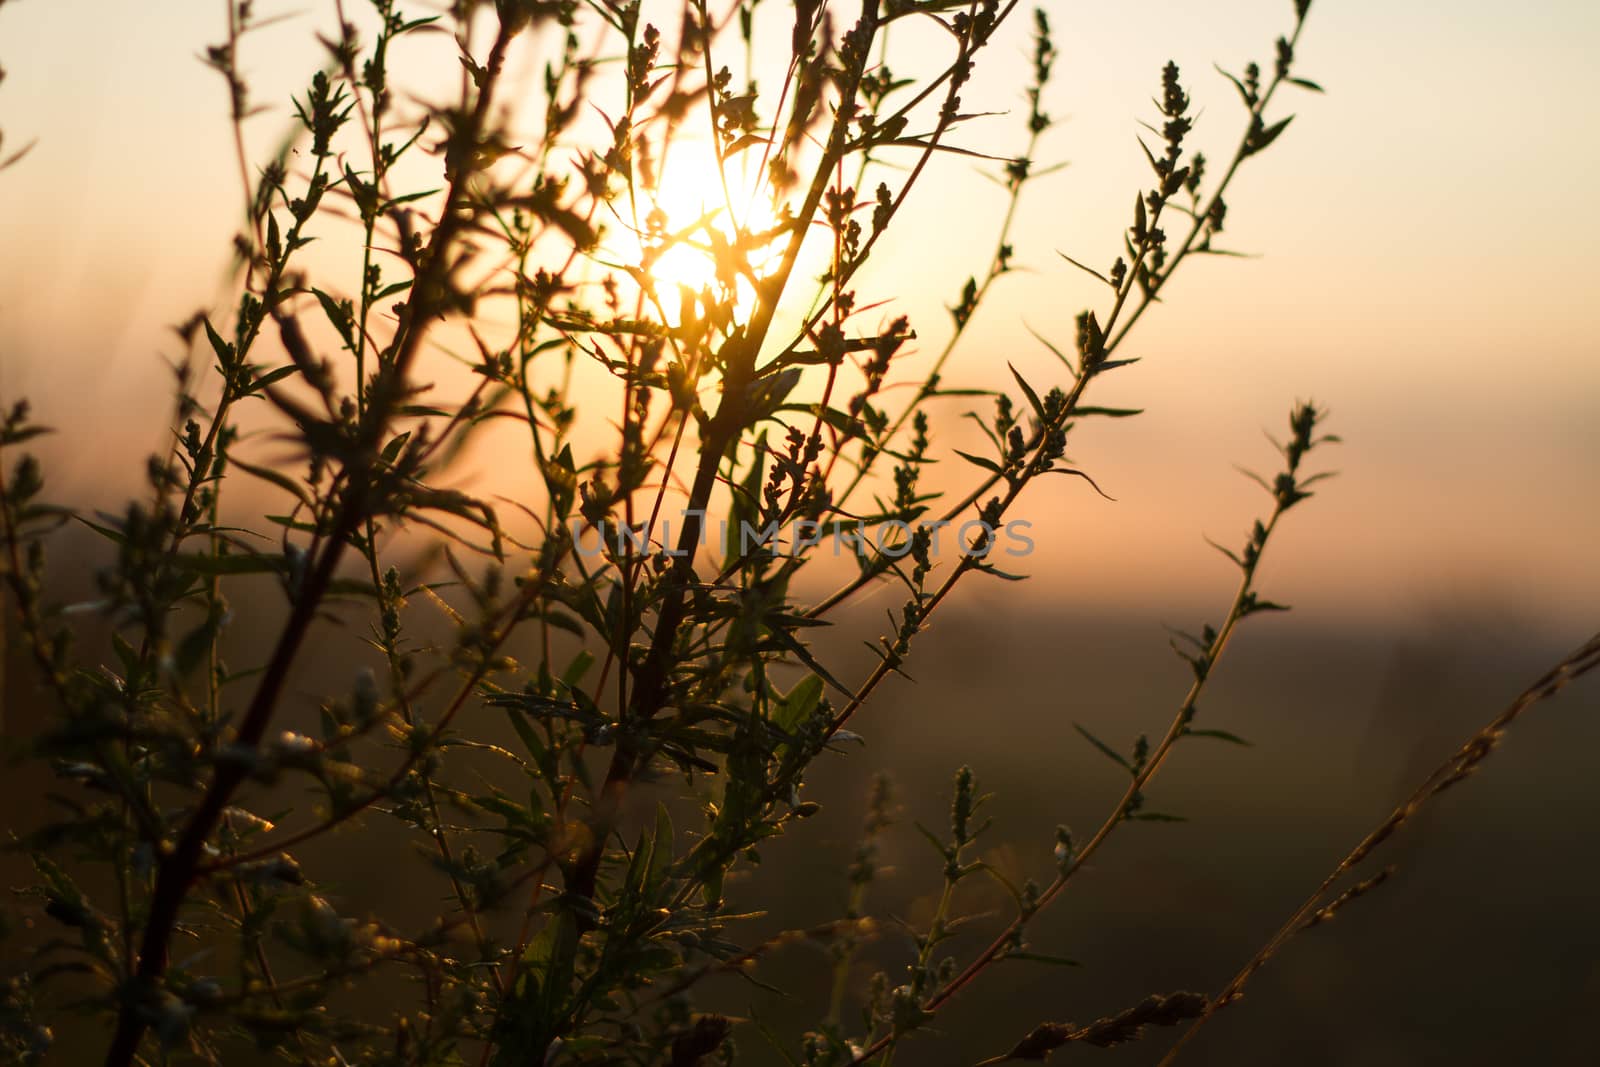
(1425, 227)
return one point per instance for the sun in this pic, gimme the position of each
(706, 229)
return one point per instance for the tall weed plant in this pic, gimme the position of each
(588, 703)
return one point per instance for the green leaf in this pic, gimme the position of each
(272, 377)
(1076, 473)
(745, 506)
(1149, 156)
(1084, 411)
(1244, 94)
(1085, 268)
(125, 655)
(834, 418)
(1230, 553)
(391, 451)
(562, 478)
(660, 849)
(338, 316)
(765, 395)
(222, 348)
(638, 864)
(515, 815)
(577, 668)
(986, 464)
(783, 637)
(16, 437)
(941, 847)
(530, 737)
(960, 392)
(1110, 752)
(1027, 390)
(793, 708)
(110, 534)
(1220, 735)
(277, 478)
(1260, 141)
(712, 886)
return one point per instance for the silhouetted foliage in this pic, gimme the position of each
(653, 664)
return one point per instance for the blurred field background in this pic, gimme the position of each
(1427, 274)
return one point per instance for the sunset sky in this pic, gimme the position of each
(1425, 230)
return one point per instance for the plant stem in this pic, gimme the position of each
(1139, 780)
(1453, 770)
(177, 870)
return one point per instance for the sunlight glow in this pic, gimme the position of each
(688, 239)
